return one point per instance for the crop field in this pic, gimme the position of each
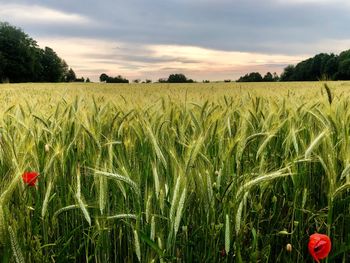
(214, 172)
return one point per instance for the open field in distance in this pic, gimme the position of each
(143, 94)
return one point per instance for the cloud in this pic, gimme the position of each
(35, 14)
(154, 61)
(270, 26)
(219, 38)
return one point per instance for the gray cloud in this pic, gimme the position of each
(259, 26)
(113, 58)
(289, 27)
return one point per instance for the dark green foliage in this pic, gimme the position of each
(270, 77)
(70, 76)
(80, 79)
(21, 60)
(251, 77)
(53, 67)
(103, 77)
(119, 79)
(287, 74)
(321, 66)
(179, 78)
(19, 55)
(344, 69)
(256, 77)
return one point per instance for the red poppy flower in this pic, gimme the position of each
(30, 178)
(319, 246)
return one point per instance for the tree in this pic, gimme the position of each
(344, 69)
(103, 77)
(275, 77)
(256, 77)
(321, 66)
(119, 79)
(70, 76)
(80, 79)
(287, 74)
(53, 66)
(268, 77)
(18, 52)
(21, 60)
(251, 77)
(2, 67)
(177, 78)
(331, 67)
(343, 66)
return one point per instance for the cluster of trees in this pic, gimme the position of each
(71, 77)
(173, 78)
(256, 77)
(321, 66)
(21, 60)
(119, 79)
(176, 78)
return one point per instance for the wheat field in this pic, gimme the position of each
(215, 172)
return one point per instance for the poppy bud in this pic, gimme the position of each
(319, 246)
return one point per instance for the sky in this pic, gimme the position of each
(203, 39)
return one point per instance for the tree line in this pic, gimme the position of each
(322, 66)
(173, 78)
(176, 78)
(256, 77)
(21, 59)
(118, 79)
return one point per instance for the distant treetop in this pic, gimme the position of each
(119, 79)
(256, 77)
